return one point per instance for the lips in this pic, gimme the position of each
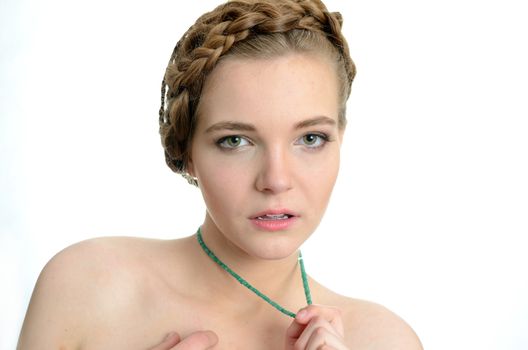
(274, 220)
(275, 214)
(274, 217)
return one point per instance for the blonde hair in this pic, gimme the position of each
(247, 29)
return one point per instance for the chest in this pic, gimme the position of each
(145, 328)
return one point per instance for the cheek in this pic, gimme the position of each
(320, 177)
(223, 185)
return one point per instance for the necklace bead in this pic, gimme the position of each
(246, 284)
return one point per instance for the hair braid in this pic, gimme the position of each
(212, 36)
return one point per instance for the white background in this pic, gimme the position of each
(431, 207)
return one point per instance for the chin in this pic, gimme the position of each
(275, 246)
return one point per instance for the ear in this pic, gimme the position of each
(189, 167)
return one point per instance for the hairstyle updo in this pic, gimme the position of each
(250, 29)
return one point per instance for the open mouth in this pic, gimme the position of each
(274, 219)
(269, 217)
(272, 222)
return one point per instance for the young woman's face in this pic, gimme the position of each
(266, 150)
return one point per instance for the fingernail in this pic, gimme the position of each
(301, 314)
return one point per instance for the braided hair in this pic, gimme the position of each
(246, 28)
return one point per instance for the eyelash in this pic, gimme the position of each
(225, 138)
(323, 137)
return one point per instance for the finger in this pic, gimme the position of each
(321, 339)
(200, 340)
(293, 333)
(329, 313)
(170, 340)
(318, 328)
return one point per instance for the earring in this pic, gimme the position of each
(190, 179)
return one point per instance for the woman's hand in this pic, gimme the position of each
(200, 340)
(316, 327)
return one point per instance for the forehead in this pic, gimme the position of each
(286, 88)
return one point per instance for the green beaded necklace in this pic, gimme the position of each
(249, 286)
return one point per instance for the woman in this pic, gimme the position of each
(253, 113)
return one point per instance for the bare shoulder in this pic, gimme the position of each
(81, 286)
(372, 326)
(377, 327)
(95, 263)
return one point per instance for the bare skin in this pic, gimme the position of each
(142, 294)
(267, 143)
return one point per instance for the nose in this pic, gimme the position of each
(274, 175)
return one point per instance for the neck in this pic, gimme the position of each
(278, 279)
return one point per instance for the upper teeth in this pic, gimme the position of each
(273, 216)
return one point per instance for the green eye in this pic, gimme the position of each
(233, 141)
(310, 139)
(313, 140)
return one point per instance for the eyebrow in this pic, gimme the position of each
(315, 121)
(230, 125)
(239, 126)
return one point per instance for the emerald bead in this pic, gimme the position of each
(246, 284)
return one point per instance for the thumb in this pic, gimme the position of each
(200, 340)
